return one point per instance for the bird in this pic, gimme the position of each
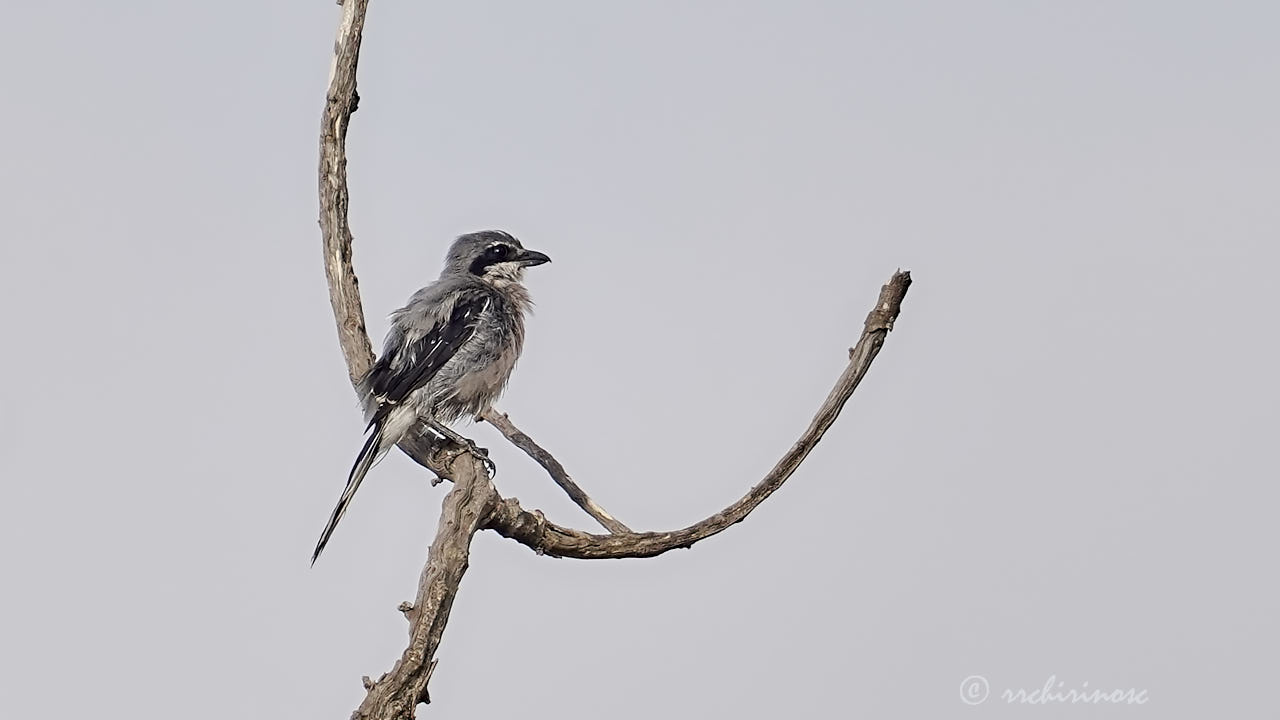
(448, 354)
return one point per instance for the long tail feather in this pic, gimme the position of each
(369, 454)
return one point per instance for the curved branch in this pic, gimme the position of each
(344, 287)
(533, 530)
(340, 102)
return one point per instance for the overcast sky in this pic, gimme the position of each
(1061, 465)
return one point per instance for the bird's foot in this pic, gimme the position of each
(482, 454)
(479, 453)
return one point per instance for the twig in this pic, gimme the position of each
(553, 467)
(510, 520)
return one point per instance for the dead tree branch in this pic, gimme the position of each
(510, 520)
(340, 102)
(397, 693)
(474, 503)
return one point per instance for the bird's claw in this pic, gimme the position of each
(482, 454)
(479, 453)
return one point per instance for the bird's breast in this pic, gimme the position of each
(475, 377)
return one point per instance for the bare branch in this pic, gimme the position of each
(553, 467)
(344, 289)
(397, 693)
(533, 530)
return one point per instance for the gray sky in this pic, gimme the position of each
(1059, 466)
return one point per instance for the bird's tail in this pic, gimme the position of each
(369, 454)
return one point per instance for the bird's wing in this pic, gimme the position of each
(411, 363)
(412, 357)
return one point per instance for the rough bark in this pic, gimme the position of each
(340, 102)
(398, 692)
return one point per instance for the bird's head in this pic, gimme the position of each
(492, 255)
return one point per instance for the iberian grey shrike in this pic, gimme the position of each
(449, 351)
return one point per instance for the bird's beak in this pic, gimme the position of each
(529, 258)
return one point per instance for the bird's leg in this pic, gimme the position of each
(467, 444)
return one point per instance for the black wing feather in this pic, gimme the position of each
(419, 361)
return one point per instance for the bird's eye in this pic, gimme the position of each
(492, 255)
